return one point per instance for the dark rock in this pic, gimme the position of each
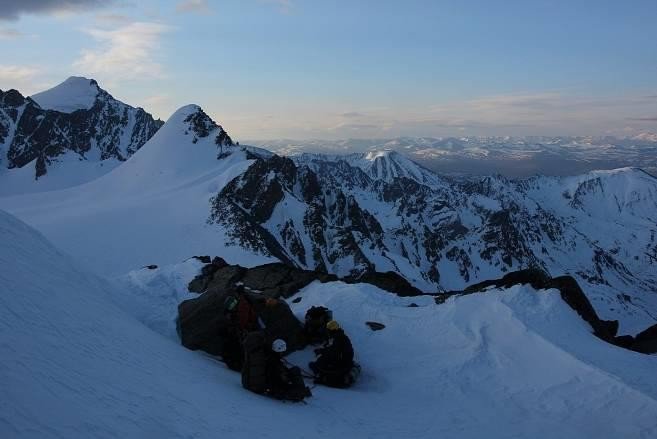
(624, 341)
(389, 281)
(442, 297)
(151, 267)
(201, 282)
(225, 278)
(535, 277)
(646, 341)
(200, 125)
(202, 321)
(572, 294)
(280, 280)
(297, 300)
(273, 280)
(375, 326)
(413, 305)
(198, 284)
(218, 262)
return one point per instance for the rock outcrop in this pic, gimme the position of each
(281, 280)
(203, 321)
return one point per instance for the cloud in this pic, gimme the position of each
(352, 115)
(10, 34)
(124, 53)
(355, 126)
(13, 9)
(113, 19)
(26, 79)
(284, 6)
(197, 6)
(9, 73)
(160, 105)
(643, 119)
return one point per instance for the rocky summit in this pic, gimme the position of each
(76, 118)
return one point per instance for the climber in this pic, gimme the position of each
(264, 371)
(283, 382)
(315, 324)
(335, 365)
(242, 320)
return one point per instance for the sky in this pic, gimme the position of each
(302, 69)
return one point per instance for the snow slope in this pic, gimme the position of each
(150, 210)
(505, 364)
(70, 172)
(76, 93)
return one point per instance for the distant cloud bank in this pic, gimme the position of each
(13, 9)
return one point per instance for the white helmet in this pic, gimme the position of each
(279, 346)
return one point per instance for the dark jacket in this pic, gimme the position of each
(337, 354)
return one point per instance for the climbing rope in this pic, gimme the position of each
(304, 373)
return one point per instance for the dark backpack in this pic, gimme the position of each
(254, 369)
(315, 324)
(340, 379)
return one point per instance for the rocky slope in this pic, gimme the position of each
(75, 121)
(374, 212)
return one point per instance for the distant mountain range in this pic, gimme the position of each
(508, 156)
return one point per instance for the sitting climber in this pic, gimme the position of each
(335, 362)
(283, 382)
(265, 373)
(314, 326)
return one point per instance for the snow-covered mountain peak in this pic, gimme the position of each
(387, 165)
(383, 164)
(373, 155)
(646, 137)
(192, 120)
(70, 134)
(75, 93)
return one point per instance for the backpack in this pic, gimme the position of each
(254, 369)
(315, 323)
(339, 379)
(247, 317)
(353, 375)
(297, 390)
